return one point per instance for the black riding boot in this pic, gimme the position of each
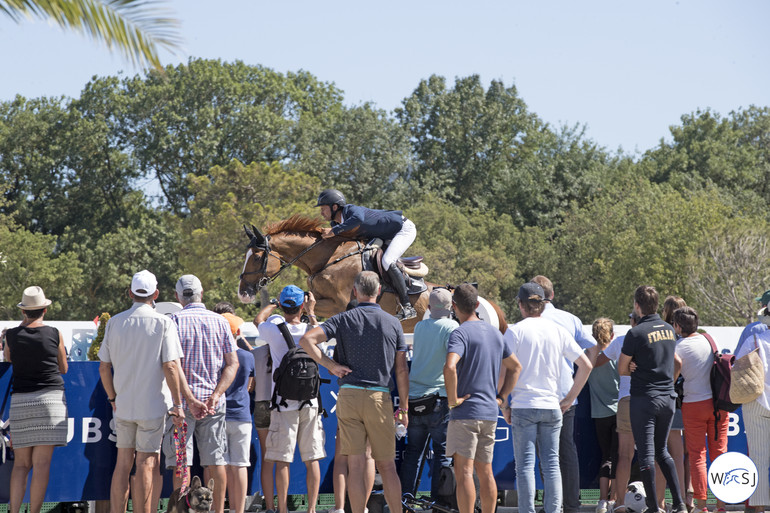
(407, 311)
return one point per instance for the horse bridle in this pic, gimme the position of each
(266, 253)
(264, 246)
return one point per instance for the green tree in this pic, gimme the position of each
(359, 150)
(28, 259)
(484, 149)
(214, 244)
(731, 267)
(134, 27)
(731, 153)
(205, 113)
(641, 234)
(64, 165)
(110, 260)
(464, 244)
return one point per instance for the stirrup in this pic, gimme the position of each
(406, 312)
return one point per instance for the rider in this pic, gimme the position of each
(366, 223)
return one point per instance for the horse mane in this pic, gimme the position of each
(296, 223)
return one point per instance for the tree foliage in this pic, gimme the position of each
(214, 243)
(731, 265)
(643, 234)
(497, 195)
(27, 259)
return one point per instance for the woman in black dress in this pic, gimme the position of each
(38, 412)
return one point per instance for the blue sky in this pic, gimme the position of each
(627, 70)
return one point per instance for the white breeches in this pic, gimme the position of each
(400, 243)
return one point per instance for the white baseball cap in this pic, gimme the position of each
(144, 284)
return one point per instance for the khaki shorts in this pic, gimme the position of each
(296, 427)
(472, 439)
(262, 414)
(624, 415)
(366, 414)
(141, 435)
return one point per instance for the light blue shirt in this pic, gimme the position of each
(574, 327)
(755, 328)
(426, 375)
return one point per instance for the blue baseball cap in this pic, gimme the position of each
(291, 296)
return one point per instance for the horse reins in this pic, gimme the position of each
(266, 280)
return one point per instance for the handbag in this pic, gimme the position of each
(748, 377)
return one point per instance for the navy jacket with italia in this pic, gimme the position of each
(366, 223)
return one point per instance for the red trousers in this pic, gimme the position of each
(698, 434)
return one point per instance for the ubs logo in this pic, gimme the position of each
(732, 477)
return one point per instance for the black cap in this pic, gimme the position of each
(531, 291)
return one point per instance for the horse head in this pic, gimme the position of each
(269, 254)
(256, 266)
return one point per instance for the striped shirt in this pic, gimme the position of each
(206, 339)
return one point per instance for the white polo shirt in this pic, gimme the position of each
(137, 342)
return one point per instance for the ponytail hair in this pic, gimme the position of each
(603, 330)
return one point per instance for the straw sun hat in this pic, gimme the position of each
(33, 299)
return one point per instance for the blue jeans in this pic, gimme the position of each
(420, 427)
(535, 427)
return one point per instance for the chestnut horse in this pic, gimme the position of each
(331, 265)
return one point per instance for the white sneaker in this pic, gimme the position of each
(601, 506)
(332, 510)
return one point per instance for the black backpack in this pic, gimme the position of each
(720, 378)
(297, 377)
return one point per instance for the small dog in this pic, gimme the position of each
(198, 498)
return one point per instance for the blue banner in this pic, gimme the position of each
(83, 469)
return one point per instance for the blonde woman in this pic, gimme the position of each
(38, 412)
(604, 383)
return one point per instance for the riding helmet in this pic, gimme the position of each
(330, 197)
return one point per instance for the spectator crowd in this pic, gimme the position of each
(191, 378)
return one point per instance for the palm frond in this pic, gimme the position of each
(136, 28)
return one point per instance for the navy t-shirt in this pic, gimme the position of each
(367, 342)
(482, 350)
(651, 346)
(237, 395)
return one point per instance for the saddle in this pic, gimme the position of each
(413, 268)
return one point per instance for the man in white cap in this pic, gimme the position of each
(428, 408)
(142, 348)
(210, 364)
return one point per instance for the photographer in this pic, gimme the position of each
(291, 422)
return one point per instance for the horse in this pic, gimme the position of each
(331, 265)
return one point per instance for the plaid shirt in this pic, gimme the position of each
(206, 339)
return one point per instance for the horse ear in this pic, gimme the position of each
(249, 233)
(257, 232)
